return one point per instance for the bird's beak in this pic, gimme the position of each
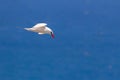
(52, 35)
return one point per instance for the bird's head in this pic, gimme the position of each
(52, 34)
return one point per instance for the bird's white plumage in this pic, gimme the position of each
(41, 28)
(40, 25)
(40, 33)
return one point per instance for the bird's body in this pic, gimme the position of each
(41, 28)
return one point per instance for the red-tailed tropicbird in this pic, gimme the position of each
(41, 28)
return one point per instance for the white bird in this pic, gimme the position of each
(41, 28)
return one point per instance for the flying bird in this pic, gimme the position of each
(41, 28)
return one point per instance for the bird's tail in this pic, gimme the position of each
(27, 29)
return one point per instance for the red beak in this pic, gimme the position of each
(52, 35)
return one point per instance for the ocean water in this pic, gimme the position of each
(86, 44)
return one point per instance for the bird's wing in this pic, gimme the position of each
(40, 25)
(40, 33)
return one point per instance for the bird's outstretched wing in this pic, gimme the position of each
(40, 25)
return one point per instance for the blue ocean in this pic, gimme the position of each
(86, 44)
